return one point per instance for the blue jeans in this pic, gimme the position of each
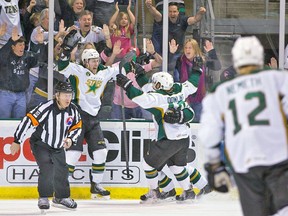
(13, 104)
(129, 112)
(197, 107)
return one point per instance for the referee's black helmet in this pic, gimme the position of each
(63, 87)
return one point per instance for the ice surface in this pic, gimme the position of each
(213, 204)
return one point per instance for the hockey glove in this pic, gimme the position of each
(123, 81)
(197, 64)
(174, 116)
(218, 177)
(138, 69)
(69, 43)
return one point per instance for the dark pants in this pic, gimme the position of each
(53, 171)
(264, 189)
(174, 151)
(92, 133)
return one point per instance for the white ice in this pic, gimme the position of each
(213, 204)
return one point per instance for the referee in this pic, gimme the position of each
(57, 125)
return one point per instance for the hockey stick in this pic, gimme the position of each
(127, 58)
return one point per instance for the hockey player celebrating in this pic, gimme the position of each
(170, 114)
(89, 81)
(248, 113)
(57, 125)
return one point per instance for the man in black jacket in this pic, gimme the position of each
(14, 76)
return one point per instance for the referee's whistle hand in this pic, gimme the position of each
(67, 143)
(14, 148)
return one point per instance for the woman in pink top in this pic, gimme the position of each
(132, 110)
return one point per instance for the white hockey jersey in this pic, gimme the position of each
(248, 112)
(10, 14)
(158, 103)
(88, 86)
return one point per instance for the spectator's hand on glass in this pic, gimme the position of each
(117, 48)
(129, 6)
(173, 46)
(15, 35)
(3, 29)
(273, 63)
(116, 6)
(149, 46)
(148, 3)
(202, 10)
(208, 46)
(106, 31)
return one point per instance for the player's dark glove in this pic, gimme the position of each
(69, 42)
(123, 81)
(143, 58)
(138, 69)
(174, 116)
(218, 177)
(197, 64)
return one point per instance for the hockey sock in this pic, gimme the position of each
(182, 176)
(72, 158)
(196, 178)
(98, 165)
(151, 175)
(165, 183)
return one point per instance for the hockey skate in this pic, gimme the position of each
(207, 189)
(151, 197)
(98, 192)
(43, 204)
(168, 196)
(66, 203)
(187, 195)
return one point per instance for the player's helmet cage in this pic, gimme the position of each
(247, 51)
(89, 54)
(162, 80)
(65, 87)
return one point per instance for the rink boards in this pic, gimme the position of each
(19, 173)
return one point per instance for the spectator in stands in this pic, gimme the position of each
(71, 13)
(88, 33)
(9, 14)
(177, 27)
(102, 11)
(122, 26)
(33, 46)
(181, 5)
(14, 76)
(184, 65)
(30, 18)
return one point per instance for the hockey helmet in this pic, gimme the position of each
(65, 87)
(89, 54)
(247, 51)
(162, 80)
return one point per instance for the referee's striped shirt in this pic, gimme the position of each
(51, 125)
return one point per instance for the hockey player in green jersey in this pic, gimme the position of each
(166, 101)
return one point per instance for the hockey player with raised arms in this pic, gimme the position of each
(171, 114)
(89, 81)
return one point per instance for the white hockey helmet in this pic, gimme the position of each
(89, 54)
(162, 80)
(247, 51)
